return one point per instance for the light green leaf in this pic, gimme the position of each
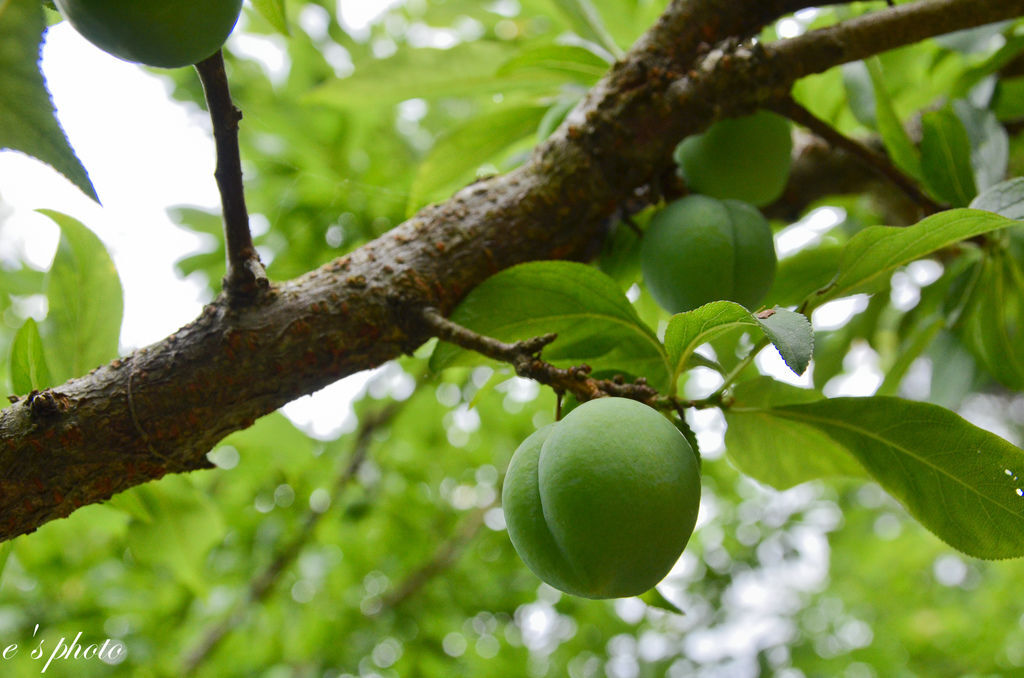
(1006, 198)
(777, 451)
(28, 122)
(467, 69)
(594, 321)
(990, 144)
(578, 63)
(184, 525)
(85, 300)
(274, 12)
(689, 330)
(586, 21)
(959, 481)
(870, 257)
(5, 553)
(28, 360)
(456, 156)
(895, 138)
(946, 158)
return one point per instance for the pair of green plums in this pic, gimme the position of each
(602, 503)
(162, 33)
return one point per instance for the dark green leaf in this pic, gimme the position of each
(992, 324)
(792, 335)
(990, 144)
(895, 138)
(27, 118)
(775, 450)
(959, 481)
(946, 158)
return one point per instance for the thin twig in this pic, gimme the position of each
(524, 356)
(245, 275)
(878, 162)
(261, 585)
(444, 557)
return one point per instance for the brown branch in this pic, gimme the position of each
(877, 162)
(524, 356)
(245, 276)
(238, 362)
(263, 583)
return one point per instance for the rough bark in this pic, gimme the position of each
(162, 408)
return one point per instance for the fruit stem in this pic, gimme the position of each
(245, 275)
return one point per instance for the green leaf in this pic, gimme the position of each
(959, 481)
(992, 324)
(184, 525)
(573, 61)
(654, 598)
(946, 158)
(274, 12)
(586, 21)
(456, 156)
(85, 300)
(801, 274)
(689, 330)
(874, 253)
(775, 450)
(990, 144)
(467, 69)
(894, 137)
(594, 321)
(1006, 198)
(917, 343)
(5, 553)
(792, 335)
(28, 360)
(28, 122)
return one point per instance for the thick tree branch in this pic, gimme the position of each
(234, 364)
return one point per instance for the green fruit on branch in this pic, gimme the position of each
(699, 249)
(602, 503)
(744, 158)
(163, 33)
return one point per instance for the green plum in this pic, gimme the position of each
(744, 158)
(699, 249)
(602, 503)
(163, 33)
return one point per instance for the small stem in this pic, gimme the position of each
(245, 274)
(716, 397)
(524, 356)
(876, 161)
